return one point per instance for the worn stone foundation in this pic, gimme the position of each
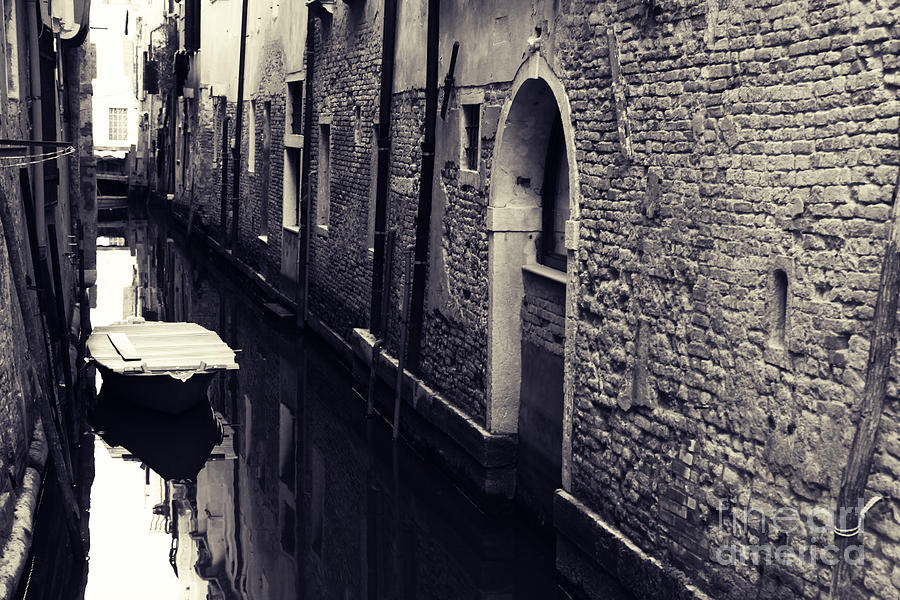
(24, 501)
(483, 462)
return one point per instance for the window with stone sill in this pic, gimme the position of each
(471, 115)
(295, 106)
(323, 196)
(266, 171)
(251, 138)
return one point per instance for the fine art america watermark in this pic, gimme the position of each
(779, 524)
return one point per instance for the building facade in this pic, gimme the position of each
(654, 235)
(47, 270)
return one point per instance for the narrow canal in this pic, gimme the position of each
(304, 497)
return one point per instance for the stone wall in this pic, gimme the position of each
(347, 73)
(764, 140)
(17, 411)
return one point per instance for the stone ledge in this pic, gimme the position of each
(492, 456)
(590, 549)
(17, 545)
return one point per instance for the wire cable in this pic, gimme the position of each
(46, 158)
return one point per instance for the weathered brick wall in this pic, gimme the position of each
(765, 138)
(17, 411)
(544, 314)
(18, 366)
(261, 189)
(454, 355)
(347, 69)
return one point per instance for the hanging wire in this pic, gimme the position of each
(45, 158)
(30, 156)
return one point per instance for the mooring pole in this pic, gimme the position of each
(881, 347)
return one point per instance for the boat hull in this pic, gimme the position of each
(160, 392)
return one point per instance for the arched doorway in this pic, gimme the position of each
(532, 208)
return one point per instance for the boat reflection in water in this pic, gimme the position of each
(305, 497)
(174, 446)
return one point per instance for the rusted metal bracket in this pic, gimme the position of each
(449, 80)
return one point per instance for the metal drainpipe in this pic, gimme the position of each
(238, 129)
(37, 124)
(388, 45)
(306, 195)
(423, 216)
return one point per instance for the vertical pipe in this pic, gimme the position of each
(37, 111)
(388, 45)
(238, 127)
(423, 216)
(306, 194)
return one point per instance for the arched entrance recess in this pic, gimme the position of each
(514, 222)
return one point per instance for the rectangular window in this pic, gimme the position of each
(192, 25)
(291, 190)
(251, 138)
(266, 170)
(323, 197)
(118, 124)
(267, 128)
(295, 106)
(472, 124)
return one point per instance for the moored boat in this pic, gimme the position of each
(161, 366)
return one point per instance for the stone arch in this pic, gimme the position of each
(513, 222)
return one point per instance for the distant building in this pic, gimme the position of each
(115, 26)
(647, 273)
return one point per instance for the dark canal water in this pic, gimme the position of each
(306, 497)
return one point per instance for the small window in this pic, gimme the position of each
(323, 197)
(472, 125)
(251, 124)
(779, 308)
(291, 188)
(266, 171)
(267, 128)
(357, 125)
(555, 201)
(295, 106)
(118, 124)
(192, 25)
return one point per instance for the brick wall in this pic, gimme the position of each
(347, 70)
(765, 138)
(544, 314)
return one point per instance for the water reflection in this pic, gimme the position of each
(174, 446)
(304, 497)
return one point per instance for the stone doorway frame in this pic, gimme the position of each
(513, 220)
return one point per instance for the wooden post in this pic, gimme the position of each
(882, 343)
